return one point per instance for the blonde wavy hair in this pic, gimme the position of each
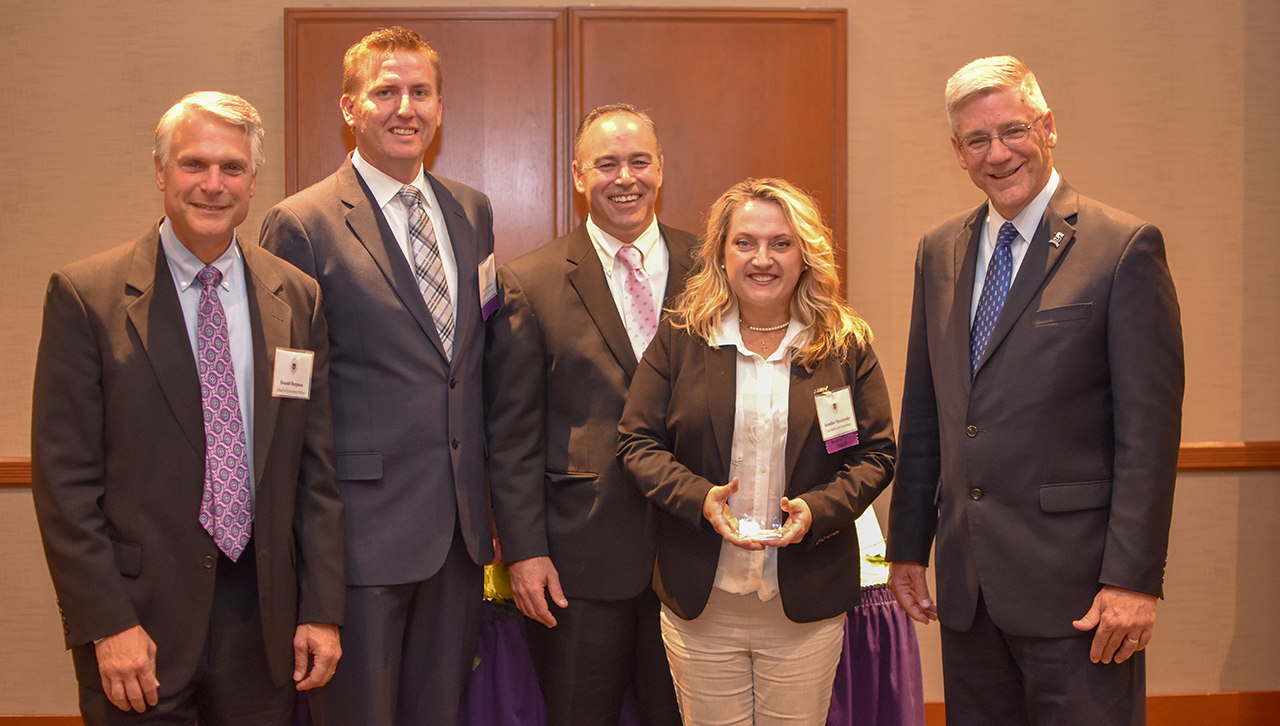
(830, 325)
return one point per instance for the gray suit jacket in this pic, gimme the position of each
(1051, 472)
(117, 455)
(559, 363)
(407, 422)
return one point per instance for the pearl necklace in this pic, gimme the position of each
(774, 329)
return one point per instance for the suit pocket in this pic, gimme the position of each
(360, 466)
(1063, 314)
(128, 558)
(1075, 496)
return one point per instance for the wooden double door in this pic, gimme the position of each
(735, 93)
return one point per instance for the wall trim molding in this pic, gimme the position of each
(1193, 457)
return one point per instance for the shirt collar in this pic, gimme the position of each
(728, 333)
(609, 245)
(384, 187)
(185, 265)
(1028, 220)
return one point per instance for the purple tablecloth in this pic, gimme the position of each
(878, 681)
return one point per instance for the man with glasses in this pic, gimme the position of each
(1041, 415)
(575, 317)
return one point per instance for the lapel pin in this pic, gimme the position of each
(1057, 239)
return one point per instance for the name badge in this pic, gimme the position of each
(488, 288)
(292, 378)
(836, 419)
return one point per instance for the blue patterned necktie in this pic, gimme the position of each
(427, 266)
(637, 301)
(225, 507)
(995, 287)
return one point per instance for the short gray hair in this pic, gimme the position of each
(1000, 72)
(232, 109)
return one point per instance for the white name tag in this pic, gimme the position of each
(835, 417)
(292, 378)
(488, 288)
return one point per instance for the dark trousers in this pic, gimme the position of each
(232, 686)
(407, 650)
(596, 650)
(991, 678)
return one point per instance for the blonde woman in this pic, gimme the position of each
(759, 424)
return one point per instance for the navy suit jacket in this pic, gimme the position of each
(1050, 473)
(407, 422)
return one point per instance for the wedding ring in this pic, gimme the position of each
(1132, 640)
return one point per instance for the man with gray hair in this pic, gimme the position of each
(182, 452)
(1041, 416)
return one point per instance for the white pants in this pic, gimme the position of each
(743, 663)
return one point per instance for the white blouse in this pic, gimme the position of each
(758, 456)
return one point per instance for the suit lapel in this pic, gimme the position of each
(722, 399)
(269, 319)
(367, 223)
(157, 316)
(1036, 265)
(462, 239)
(587, 277)
(966, 268)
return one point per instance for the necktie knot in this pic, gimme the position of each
(209, 277)
(633, 257)
(410, 194)
(1008, 233)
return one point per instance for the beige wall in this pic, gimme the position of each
(1153, 115)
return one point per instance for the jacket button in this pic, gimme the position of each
(971, 430)
(454, 443)
(975, 494)
(208, 561)
(453, 382)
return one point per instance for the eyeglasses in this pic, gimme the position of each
(1010, 137)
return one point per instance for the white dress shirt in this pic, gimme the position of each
(1026, 222)
(758, 455)
(385, 189)
(233, 293)
(656, 261)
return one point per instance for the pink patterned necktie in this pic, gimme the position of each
(427, 266)
(641, 317)
(995, 287)
(225, 508)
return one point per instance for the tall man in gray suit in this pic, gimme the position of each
(576, 315)
(1041, 415)
(398, 253)
(182, 453)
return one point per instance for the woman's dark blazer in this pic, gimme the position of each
(676, 435)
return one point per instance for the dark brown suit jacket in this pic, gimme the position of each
(118, 461)
(559, 363)
(1051, 472)
(675, 440)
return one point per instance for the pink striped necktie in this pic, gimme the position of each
(640, 314)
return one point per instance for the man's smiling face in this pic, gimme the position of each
(395, 114)
(1010, 177)
(619, 169)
